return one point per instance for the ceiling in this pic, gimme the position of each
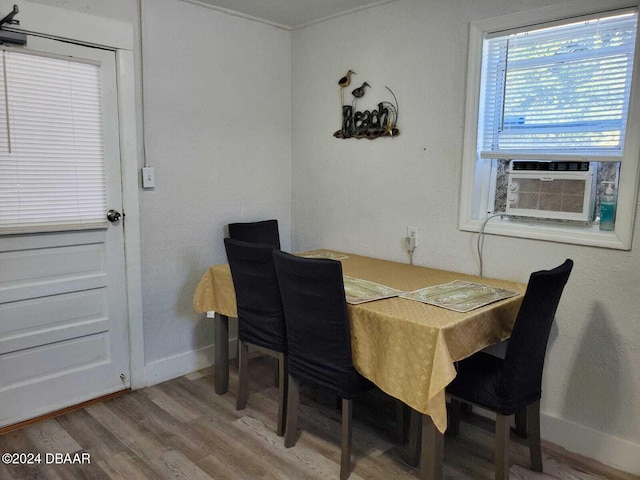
(292, 14)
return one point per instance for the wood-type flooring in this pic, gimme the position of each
(181, 429)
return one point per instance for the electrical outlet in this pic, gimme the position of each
(412, 232)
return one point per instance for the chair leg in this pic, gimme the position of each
(293, 403)
(521, 423)
(454, 418)
(235, 361)
(503, 429)
(283, 380)
(345, 459)
(243, 375)
(535, 449)
(276, 371)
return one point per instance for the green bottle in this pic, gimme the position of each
(608, 208)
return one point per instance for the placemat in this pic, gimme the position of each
(358, 290)
(459, 296)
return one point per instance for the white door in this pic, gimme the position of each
(63, 305)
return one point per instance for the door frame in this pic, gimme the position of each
(89, 30)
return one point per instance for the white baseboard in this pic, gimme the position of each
(613, 451)
(607, 449)
(177, 365)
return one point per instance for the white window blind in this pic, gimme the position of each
(51, 144)
(558, 91)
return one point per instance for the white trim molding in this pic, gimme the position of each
(131, 207)
(246, 16)
(604, 448)
(470, 218)
(613, 451)
(181, 364)
(178, 365)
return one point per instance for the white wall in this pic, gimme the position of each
(360, 196)
(218, 130)
(217, 119)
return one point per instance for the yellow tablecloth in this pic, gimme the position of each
(407, 348)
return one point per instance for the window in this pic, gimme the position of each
(550, 124)
(558, 90)
(51, 145)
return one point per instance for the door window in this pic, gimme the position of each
(52, 174)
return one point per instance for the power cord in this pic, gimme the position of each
(411, 247)
(480, 244)
(142, 29)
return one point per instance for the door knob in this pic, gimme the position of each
(113, 216)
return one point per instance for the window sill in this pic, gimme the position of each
(577, 235)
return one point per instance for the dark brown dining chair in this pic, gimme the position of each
(318, 339)
(509, 385)
(260, 316)
(265, 232)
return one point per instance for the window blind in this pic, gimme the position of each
(51, 143)
(557, 91)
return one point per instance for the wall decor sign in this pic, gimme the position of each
(380, 122)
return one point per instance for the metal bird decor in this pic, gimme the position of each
(344, 82)
(359, 92)
(380, 122)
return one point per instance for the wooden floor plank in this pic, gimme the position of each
(181, 468)
(219, 469)
(125, 466)
(4, 473)
(90, 434)
(138, 440)
(313, 463)
(552, 471)
(50, 436)
(18, 441)
(171, 406)
(140, 409)
(173, 432)
(182, 429)
(91, 471)
(247, 453)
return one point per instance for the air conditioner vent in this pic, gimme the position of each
(558, 190)
(534, 165)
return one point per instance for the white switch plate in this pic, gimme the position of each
(148, 177)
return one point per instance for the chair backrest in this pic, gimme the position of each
(265, 232)
(318, 331)
(524, 359)
(260, 313)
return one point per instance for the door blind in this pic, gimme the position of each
(561, 90)
(51, 144)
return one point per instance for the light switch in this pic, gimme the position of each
(148, 177)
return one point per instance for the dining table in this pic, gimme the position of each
(407, 348)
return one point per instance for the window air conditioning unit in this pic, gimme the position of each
(562, 190)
